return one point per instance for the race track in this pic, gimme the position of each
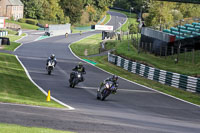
(134, 109)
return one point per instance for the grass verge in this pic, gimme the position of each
(88, 46)
(10, 128)
(13, 44)
(127, 50)
(24, 25)
(104, 64)
(107, 19)
(16, 87)
(131, 19)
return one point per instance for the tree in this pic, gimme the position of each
(73, 9)
(159, 13)
(33, 8)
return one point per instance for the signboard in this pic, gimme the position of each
(2, 23)
(104, 27)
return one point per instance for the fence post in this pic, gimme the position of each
(160, 51)
(185, 51)
(172, 52)
(193, 56)
(165, 52)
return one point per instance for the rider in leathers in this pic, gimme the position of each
(81, 69)
(113, 79)
(52, 57)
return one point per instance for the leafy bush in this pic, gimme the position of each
(31, 21)
(22, 20)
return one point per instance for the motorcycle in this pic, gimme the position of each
(105, 90)
(77, 77)
(50, 66)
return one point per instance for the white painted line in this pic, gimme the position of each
(44, 92)
(22, 37)
(18, 47)
(125, 90)
(34, 106)
(108, 20)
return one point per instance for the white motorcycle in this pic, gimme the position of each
(50, 66)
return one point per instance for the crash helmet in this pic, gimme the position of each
(114, 77)
(80, 64)
(52, 56)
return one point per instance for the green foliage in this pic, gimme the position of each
(31, 21)
(24, 25)
(73, 9)
(22, 20)
(65, 11)
(133, 29)
(159, 13)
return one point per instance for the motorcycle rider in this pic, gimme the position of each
(79, 68)
(113, 79)
(52, 57)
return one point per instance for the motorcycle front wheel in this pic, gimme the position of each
(105, 94)
(49, 72)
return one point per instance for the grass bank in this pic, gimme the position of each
(16, 87)
(88, 46)
(104, 64)
(127, 50)
(10, 128)
(13, 44)
(24, 25)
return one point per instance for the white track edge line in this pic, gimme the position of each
(33, 106)
(132, 81)
(22, 37)
(44, 92)
(137, 83)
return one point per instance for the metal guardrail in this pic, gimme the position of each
(176, 80)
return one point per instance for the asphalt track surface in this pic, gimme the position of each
(134, 109)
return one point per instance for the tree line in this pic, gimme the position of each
(65, 11)
(159, 12)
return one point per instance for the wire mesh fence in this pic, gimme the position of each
(174, 53)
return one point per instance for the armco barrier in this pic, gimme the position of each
(172, 79)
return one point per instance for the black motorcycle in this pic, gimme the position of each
(105, 90)
(50, 66)
(76, 77)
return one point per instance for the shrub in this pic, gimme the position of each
(22, 20)
(31, 21)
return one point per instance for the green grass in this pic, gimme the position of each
(11, 47)
(15, 87)
(131, 19)
(91, 44)
(163, 63)
(24, 25)
(13, 44)
(11, 128)
(108, 17)
(104, 64)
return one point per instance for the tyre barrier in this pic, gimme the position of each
(176, 80)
